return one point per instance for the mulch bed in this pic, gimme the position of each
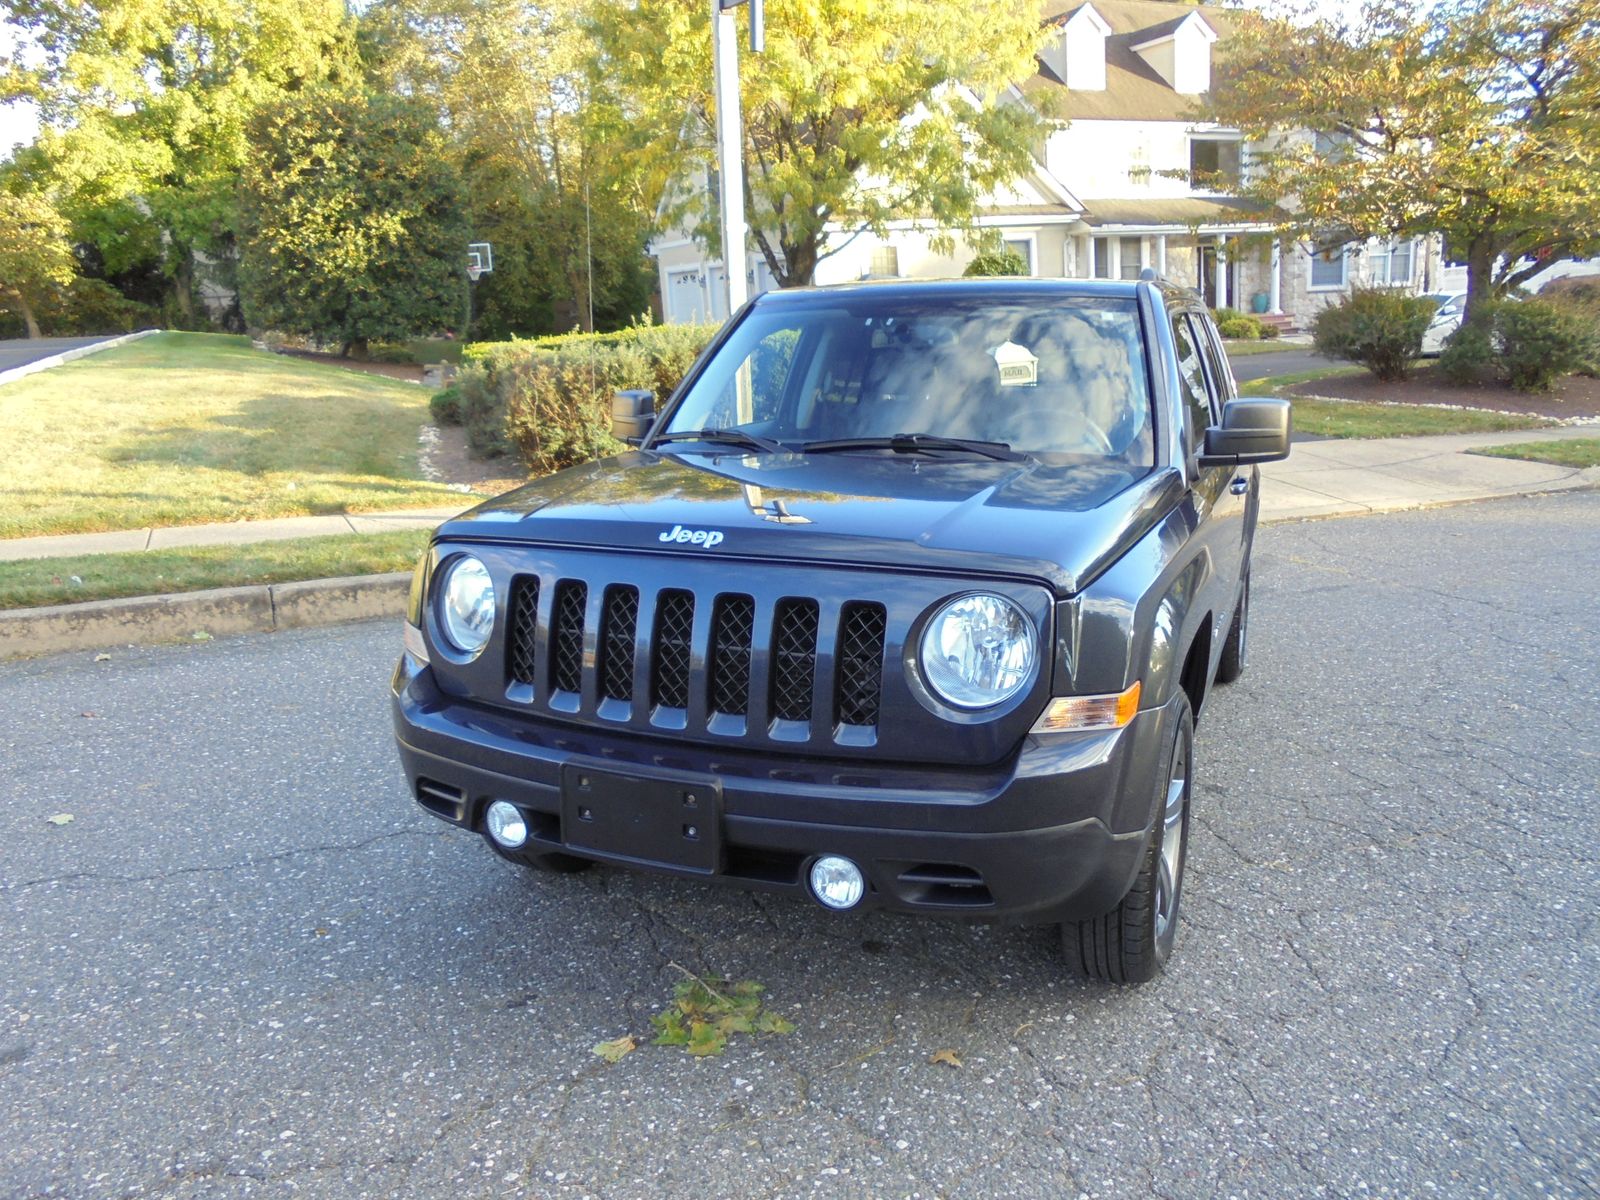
(409, 372)
(1574, 396)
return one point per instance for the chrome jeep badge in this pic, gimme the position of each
(706, 538)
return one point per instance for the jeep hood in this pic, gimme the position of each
(1059, 524)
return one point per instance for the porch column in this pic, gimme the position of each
(1115, 245)
(1161, 254)
(1220, 271)
(1275, 284)
(1094, 250)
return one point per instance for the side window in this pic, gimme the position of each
(1217, 369)
(1191, 384)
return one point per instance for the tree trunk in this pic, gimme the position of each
(355, 347)
(28, 319)
(1480, 277)
(580, 298)
(183, 286)
(800, 263)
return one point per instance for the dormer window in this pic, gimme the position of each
(1214, 163)
(1180, 52)
(1077, 53)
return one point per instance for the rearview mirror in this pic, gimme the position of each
(1252, 431)
(633, 411)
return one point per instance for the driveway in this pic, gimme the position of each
(18, 352)
(1278, 362)
(249, 967)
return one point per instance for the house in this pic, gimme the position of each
(1129, 180)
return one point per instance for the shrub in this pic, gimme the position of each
(1266, 330)
(997, 262)
(550, 399)
(1240, 327)
(1468, 354)
(1540, 341)
(1378, 328)
(445, 405)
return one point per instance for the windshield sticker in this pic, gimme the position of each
(1018, 368)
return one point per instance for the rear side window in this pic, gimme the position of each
(1216, 361)
(1191, 383)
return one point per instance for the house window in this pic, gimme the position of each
(885, 263)
(1328, 267)
(1391, 264)
(1130, 257)
(1213, 163)
(1023, 249)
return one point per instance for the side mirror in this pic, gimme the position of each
(632, 413)
(1252, 431)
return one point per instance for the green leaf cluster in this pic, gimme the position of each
(705, 1013)
(1475, 119)
(858, 113)
(1379, 328)
(352, 225)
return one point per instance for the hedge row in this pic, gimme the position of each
(1231, 323)
(548, 400)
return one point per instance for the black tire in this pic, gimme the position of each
(1132, 942)
(555, 863)
(1233, 650)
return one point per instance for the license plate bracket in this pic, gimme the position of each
(655, 820)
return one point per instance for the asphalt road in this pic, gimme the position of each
(17, 352)
(248, 968)
(1277, 362)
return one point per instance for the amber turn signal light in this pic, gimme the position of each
(1066, 713)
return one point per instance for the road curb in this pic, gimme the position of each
(154, 620)
(77, 352)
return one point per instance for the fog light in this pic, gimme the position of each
(504, 822)
(837, 882)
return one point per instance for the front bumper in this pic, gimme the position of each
(1053, 833)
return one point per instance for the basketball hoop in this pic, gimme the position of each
(473, 271)
(480, 259)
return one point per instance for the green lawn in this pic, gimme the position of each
(1358, 419)
(186, 428)
(1569, 452)
(1242, 347)
(146, 573)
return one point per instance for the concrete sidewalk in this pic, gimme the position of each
(1344, 477)
(230, 533)
(1320, 479)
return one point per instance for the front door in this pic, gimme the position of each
(1206, 269)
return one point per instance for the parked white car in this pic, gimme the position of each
(1445, 322)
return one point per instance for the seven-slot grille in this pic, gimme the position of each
(789, 641)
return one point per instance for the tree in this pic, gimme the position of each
(145, 105)
(35, 256)
(352, 220)
(858, 113)
(512, 81)
(1477, 119)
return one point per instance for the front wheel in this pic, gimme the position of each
(1232, 663)
(1132, 942)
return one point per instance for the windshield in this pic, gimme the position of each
(1057, 377)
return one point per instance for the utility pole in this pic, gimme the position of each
(730, 136)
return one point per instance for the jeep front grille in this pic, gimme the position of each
(618, 624)
(860, 664)
(794, 659)
(731, 628)
(710, 672)
(566, 636)
(524, 637)
(669, 678)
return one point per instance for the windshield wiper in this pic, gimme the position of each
(917, 443)
(728, 437)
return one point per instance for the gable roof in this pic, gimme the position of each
(1134, 92)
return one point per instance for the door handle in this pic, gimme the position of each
(1239, 486)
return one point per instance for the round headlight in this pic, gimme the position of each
(466, 604)
(978, 651)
